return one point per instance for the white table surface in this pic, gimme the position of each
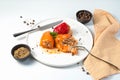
(10, 22)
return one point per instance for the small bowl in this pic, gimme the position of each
(84, 16)
(21, 52)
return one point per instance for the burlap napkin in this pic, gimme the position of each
(105, 58)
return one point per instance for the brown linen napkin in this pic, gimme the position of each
(105, 57)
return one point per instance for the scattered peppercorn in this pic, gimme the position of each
(79, 39)
(78, 63)
(83, 69)
(33, 20)
(21, 17)
(24, 21)
(33, 23)
(38, 26)
(87, 73)
(28, 21)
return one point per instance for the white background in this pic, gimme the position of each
(10, 22)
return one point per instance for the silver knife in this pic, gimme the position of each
(39, 28)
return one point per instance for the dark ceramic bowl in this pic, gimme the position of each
(21, 52)
(84, 16)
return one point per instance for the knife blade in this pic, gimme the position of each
(47, 26)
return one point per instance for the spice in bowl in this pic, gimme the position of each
(84, 16)
(21, 52)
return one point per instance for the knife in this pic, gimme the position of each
(39, 28)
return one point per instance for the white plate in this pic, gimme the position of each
(80, 32)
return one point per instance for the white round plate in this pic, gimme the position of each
(81, 34)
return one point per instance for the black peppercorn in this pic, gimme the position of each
(83, 16)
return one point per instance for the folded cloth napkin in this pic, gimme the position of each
(104, 57)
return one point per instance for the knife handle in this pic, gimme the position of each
(20, 33)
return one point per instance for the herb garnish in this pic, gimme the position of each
(54, 34)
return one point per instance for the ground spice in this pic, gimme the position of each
(21, 52)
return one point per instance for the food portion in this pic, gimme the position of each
(62, 28)
(47, 40)
(60, 38)
(21, 52)
(64, 43)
